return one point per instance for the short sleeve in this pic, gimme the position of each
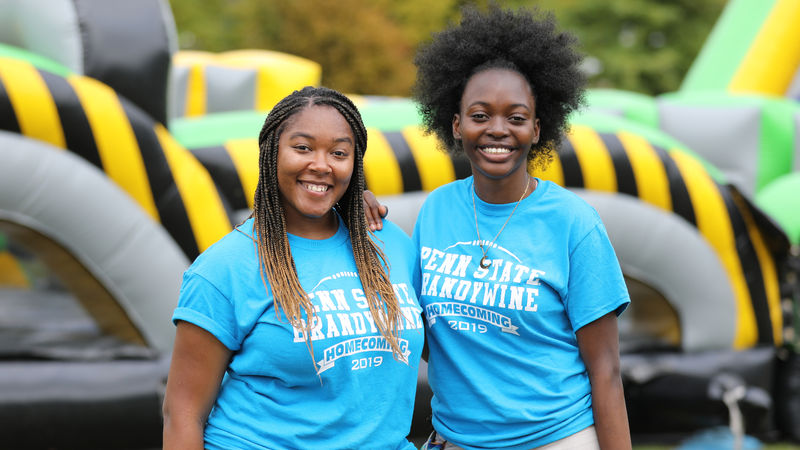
(202, 304)
(416, 272)
(405, 253)
(596, 285)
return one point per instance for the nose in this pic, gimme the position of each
(497, 127)
(319, 162)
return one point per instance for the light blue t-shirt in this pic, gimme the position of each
(271, 395)
(504, 363)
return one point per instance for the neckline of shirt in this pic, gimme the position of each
(503, 209)
(340, 237)
(297, 242)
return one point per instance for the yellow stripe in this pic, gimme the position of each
(768, 272)
(594, 159)
(32, 102)
(244, 154)
(11, 273)
(279, 74)
(434, 165)
(553, 172)
(196, 91)
(200, 197)
(380, 166)
(773, 59)
(714, 224)
(265, 95)
(651, 177)
(275, 83)
(116, 143)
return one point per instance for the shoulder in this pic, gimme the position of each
(391, 231)
(451, 188)
(569, 202)
(446, 194)
(234, 249)
(567, 212)
(393, 237)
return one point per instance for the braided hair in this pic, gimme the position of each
(270, 223)
(524, 41)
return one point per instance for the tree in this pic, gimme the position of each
(645, 46)
(367, 46)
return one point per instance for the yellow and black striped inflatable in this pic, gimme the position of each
(623, 162)
(87, 117)
(195, 201)
(620, 162)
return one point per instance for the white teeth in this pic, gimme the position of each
(315, 187)
(496, 150)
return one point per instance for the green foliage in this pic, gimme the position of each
(367, 46)
(645, 46)
(359, 47)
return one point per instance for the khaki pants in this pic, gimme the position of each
(585, 439)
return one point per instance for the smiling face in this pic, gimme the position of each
(316, 154)
(497, 124)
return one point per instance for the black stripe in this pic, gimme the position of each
(573, 176)
(165, 193)
(751, 266)
(626, 178)
(681, 201)
(220, 166)
(140, 72)
(8, 118)
(405, 159)
(77, 130)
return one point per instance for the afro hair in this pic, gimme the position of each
(526, 41)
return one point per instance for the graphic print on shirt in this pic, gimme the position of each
(459, 287)
(341, 313)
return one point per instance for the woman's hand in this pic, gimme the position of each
(375, 211)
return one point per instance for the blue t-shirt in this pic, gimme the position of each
(271, 395)
(504, 363)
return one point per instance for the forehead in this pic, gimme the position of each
(493, 85)
(318, 121)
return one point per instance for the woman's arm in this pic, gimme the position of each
(198, 364)
(598, 342)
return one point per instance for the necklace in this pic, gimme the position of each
(484, 263)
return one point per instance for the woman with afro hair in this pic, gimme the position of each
(520, 286)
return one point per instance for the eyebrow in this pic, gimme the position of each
(482, 103)
(308, 136)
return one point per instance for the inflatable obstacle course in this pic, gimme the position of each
(612, 158)
(204, 82)
(753, 48)
(87, 117)
(143, 147)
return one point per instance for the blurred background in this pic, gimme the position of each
(128, 146)
(367, 47)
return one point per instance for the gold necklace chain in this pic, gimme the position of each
(484, 263)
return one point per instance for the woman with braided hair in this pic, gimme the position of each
(300, 328)
(520, 285)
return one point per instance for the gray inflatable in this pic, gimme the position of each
(58, 198)
(679, 264)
